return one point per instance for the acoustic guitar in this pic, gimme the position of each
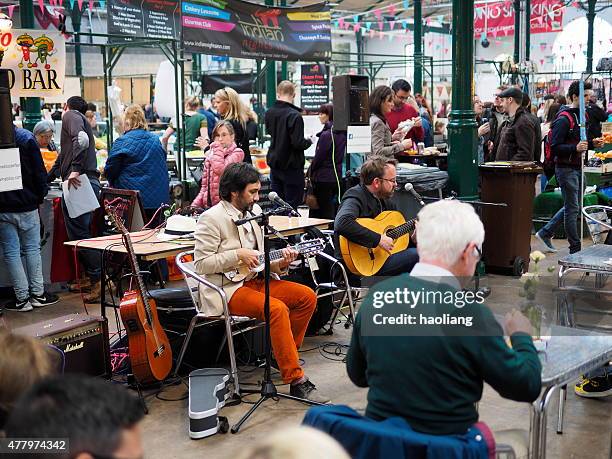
(149, 348)
(306, 248)
(364, 261)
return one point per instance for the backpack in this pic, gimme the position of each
(549, 159)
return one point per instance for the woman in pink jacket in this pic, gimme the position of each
(223, 152)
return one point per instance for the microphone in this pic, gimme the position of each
(276, 199)
(410, 189)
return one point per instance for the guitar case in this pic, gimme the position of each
(208, 392)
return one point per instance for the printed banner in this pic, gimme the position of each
(497, 19)
(36, 61)
(251, 31)
(314, 87)
(144, 18)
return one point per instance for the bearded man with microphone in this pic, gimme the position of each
(372, 196)
(222, 245)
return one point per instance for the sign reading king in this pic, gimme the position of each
(497, 19)
(36, 61)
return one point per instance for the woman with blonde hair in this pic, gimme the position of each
(232, 109)
(137, 161)
(23, 361)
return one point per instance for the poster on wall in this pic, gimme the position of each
(497, 19)
(36, 61)
(253, 31)
(144, 18)
(314, 87)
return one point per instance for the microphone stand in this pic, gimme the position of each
(268, 389)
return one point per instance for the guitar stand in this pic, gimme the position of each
(268, 389)
(134, 384)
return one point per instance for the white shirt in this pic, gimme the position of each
(436, 274)
(248, 232)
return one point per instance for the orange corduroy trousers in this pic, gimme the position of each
(291, 307)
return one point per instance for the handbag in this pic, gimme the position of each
(310, 199)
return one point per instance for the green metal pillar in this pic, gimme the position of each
(284, 73)
(270, 75)
(29, 105)
(196, 66)
(462, 163)
(360, 50)
(517, 31)
(76, 15)
(527, 17)
(418, 47)
(591, 21)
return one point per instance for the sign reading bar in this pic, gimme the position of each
(314, 87)
(36, 61)
(496, 19)
(144, 18)
(251, 31)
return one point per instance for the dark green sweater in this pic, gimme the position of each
(434, 381)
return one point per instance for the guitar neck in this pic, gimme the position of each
(275, 254)
(136, 273)
(402, 229)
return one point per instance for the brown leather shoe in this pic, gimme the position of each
(94, 293)
(80, 285)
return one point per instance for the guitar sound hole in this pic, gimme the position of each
(132, 325)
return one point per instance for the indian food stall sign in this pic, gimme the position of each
(254, 31)
(36, 61)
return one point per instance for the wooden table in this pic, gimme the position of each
(149, 248)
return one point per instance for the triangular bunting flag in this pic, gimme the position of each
(356, 19)
(356, 27)
(368, 26)
(378, 14)
(391, 24)
(80, 3)
(341, 23)
(41, 5)
(541, 61)
(380, 25)
(11, 8)
(405, 24)
(91, 5)
(392, 9)
(406, 4)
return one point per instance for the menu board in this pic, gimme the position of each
(314, 87)
(144, 18)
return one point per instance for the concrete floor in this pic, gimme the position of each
(588, 423)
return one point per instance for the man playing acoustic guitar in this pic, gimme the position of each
(367, 200)
(221, 246)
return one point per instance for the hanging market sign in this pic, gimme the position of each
(314, 87)
(36, 61)
(497, 19)
(144, 18)
(251, 31)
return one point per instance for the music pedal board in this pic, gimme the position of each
(208, 392)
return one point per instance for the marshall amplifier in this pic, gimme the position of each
(83, 339)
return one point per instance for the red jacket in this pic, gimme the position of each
(217, 160)
(395, 117)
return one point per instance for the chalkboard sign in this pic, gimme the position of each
(127, 205)
(144, 18)
(314, 87)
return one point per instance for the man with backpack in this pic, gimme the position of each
(564, 148)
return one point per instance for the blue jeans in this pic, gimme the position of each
(79, 228)
(20, 236)
(569, 181)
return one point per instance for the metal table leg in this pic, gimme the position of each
(537, 437)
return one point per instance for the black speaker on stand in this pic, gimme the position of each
(351, 101)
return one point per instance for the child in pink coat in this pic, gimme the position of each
(223, 152)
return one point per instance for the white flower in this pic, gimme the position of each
(528, 276)
(537, 256)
